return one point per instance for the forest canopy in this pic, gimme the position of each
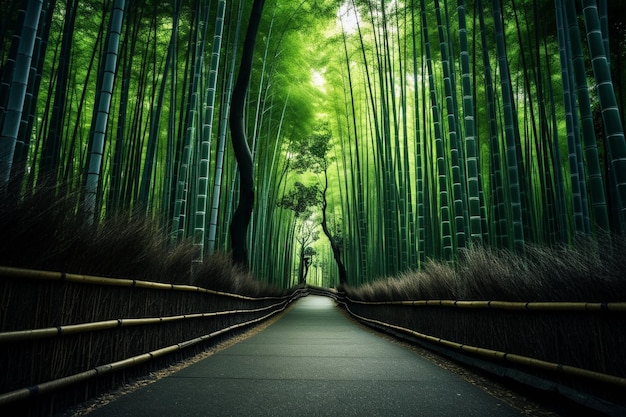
(408, 130)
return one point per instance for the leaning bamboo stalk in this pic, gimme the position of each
(507, 305)
(504, 356)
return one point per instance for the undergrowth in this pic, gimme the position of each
(45, 232)
(586, 271)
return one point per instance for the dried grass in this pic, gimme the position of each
(586, 271)
(43, 231)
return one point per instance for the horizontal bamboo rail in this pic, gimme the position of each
(44, 387)
(21, 335)
(10, 272)
(503, 356)
(277, 305)
(506, 305)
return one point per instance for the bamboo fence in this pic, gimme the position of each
(577, 345)
(65, 337)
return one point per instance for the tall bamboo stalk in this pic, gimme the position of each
(17, 91)
(613, 128)
(510, 130)
(108, 71)
(207, 131)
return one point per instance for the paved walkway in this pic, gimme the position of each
(313, 361)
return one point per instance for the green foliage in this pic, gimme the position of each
(300, 199)
(443, 122)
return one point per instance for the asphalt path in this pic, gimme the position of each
(313, 361)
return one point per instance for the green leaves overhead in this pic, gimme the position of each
(424, 125)
(480, 159)
(300, 199)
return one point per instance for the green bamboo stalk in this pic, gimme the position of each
(570, 117)
(380, 221)
(408, 239)
(604, 25)
(51, 148)
(219, 158)
(418, 138)
(124, 152)
(497, 177)
(545, 139)
(357, 195)
(473, 187)
(613, 128)
(31, 112)
(168, 175)
(179, 220)
(561, 206)
(442, 172)
(596, 182)
(207, 132)
(156, 115)
(511, 133)
(108, 70)
(453, 133)
(17, 92)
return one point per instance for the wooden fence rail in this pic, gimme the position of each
(66, 337)
(504, 305)
(573, 347)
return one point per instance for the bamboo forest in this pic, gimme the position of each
(328, 141)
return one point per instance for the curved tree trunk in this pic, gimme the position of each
(343, 276)
(241, 217)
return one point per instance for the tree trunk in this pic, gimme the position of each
(241, 217)
(333, 244)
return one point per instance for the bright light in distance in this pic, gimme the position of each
(317, 79)
(348, 17)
